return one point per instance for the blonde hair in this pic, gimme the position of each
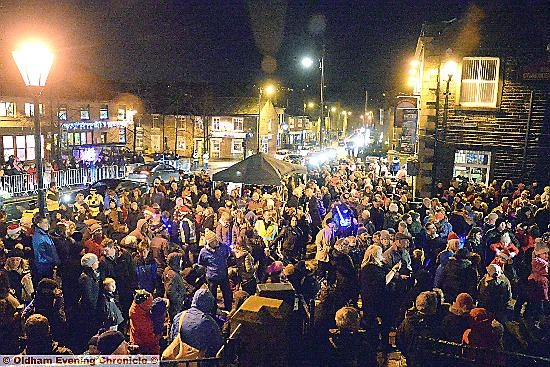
(373, 255)
(108, 281)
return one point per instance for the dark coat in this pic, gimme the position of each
(454, 326)
(174, 286)
(123, 270)
(374, 291)
(458, 277)
(414, 325)
(314, 212)
(89, 292)
(110, 310)
(146, 272)
(347, 284)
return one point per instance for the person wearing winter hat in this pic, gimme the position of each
(13, 235)
(495, 293)
(213, 256)
(457, 320)
(89, 290)
(142, 331)
(485, 330)
(94, 243)
(112, 343)
(198, 328)
(538, 281)
(17, 268)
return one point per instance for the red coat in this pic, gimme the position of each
(538, 280)
(141, 327)
(93, 247)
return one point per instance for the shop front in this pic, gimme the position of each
(89, 140)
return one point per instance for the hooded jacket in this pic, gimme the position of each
(174, 286)
(198, 328)
(539, 279)
(142, 330)
(215, 261)
(45, 253)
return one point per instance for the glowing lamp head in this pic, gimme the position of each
(311, 105)
(333, 109)
(450, 68)
(34, 61)
(269, 90)
(414, 63)
(307, 62)
(349, 113)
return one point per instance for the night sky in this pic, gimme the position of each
(368, 43)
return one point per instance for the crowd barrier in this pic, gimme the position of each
(26, 184)
(430, 352)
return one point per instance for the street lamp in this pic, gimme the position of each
(269, 90)
(34, 61)
(450, 68)
(308, 62)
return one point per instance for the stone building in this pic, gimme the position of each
(494, 122)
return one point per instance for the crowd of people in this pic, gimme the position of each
(138, 272)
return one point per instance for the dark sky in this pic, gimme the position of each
(367, 42)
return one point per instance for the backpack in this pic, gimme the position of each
(179, 350)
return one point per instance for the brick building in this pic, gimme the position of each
(495, 121)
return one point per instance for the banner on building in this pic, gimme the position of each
(406, 119)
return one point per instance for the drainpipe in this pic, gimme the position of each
(526, 141)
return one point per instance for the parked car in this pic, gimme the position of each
(150, 171)
(294, 158)
(101, 186)
(281, 154)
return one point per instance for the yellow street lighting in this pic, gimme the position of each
(414, 63)
(349, 113)
(450, 68)
(269, 90)
(344, 113)
(333, 109)
(34, 61)
(362, 117)
(413, 71)
(311, 104)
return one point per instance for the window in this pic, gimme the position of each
(479, 86)
(85, 113)
(104, 112)
(238, 123)
(7, 109)
(121, 114)
(291, 123)
(29, 109)
(236, 145)
(62, 113)
(215, 123)
(103, 138)
(473, 166)
(30, 145)
(9, 147)
(216, 145)
(265, 145)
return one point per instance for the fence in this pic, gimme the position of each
(430, 352)
(26, 184)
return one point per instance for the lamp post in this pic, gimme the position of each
(450, 69)
(34, 61)
(269, 90)
(307, 62)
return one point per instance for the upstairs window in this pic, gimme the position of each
(238, 123)
(29, 109)
(62, 113)
(85, 113)
(121, 113)
(215, 123)
(104, 112)
(7, 109)
(479, 87)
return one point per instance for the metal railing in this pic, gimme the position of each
(26, 184)
(428, 352)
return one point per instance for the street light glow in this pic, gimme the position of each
(450, 68)
(333, 109)
(34, 60)
(414, 63)
(349, 113)
(311, 104)
(344, 113)
(307, 62)
(269, 90)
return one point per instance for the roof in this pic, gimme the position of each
(258, 169)
(229, 106)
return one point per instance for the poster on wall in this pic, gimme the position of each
(406, 119)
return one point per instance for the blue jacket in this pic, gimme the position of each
(44, 249)
(198, 328)
(215, 261)
(107, 199)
